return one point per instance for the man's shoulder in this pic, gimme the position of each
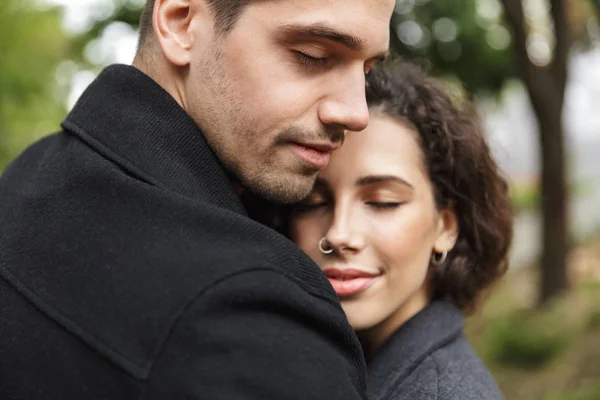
(114, 259)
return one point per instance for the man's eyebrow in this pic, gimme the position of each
(381, 56)
(320, 30)
(325, 32)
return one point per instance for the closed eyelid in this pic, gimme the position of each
(310, 47)
(387, 193)
(321, 33)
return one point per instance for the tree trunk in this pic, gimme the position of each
(553, 200)
(546, 88)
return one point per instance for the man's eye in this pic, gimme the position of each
(310, 61)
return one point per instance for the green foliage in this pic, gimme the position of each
(589, 393)
(593, 322)
(479, 53)
(528, 339)
(575, 367)
(126, 11)
(526, 196)
(32, 45)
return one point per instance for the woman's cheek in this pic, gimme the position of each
(305, 234)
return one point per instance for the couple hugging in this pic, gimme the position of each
(197, 230)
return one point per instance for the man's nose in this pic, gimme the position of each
(346, 106)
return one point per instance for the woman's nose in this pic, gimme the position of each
(344, 235)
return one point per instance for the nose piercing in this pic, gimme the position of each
(322, 248)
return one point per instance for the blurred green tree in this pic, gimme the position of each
(596, 4)
(546, 83)
(484, 43)
(32, 45)
(465, 40)
(125, 11)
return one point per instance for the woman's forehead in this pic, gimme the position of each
(385, 147)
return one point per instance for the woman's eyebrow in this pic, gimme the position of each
(371, 179)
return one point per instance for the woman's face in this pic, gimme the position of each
(374, 204)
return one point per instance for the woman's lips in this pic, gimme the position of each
(349, 281)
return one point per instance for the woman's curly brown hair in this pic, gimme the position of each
(463, 174)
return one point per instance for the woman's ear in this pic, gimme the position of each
(176, 25)
(447, 231)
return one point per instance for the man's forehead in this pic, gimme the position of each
(358, 16)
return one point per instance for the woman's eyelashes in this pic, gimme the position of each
(306, 207)
(384, 205)
(322, 203)
(314, 201)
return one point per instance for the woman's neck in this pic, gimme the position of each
(373, 338)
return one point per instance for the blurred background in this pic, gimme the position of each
(533, 69)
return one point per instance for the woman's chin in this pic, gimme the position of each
(360, 323)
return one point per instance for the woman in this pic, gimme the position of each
(410, 222)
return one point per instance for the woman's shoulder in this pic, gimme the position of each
(429, 358)
(462, 375)
(452, 372)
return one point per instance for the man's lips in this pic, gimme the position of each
(322, 147)
(350, 281)
(316, 154)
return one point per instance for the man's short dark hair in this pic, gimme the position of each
(226, 13)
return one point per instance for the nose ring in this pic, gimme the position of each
(322, 248)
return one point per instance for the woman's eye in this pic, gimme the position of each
(305, 207)
(384, 204)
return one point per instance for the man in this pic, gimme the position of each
(128, 266)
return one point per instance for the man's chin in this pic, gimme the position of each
(286, 188)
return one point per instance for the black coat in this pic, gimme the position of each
(129, 269)
(429, 358)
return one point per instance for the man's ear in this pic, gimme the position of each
(176, 25)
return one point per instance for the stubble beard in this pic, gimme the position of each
(271, 172)
(228, 131)
(288, 181)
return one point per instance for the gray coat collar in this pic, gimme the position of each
(432, 328)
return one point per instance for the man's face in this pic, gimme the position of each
(275, 95)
